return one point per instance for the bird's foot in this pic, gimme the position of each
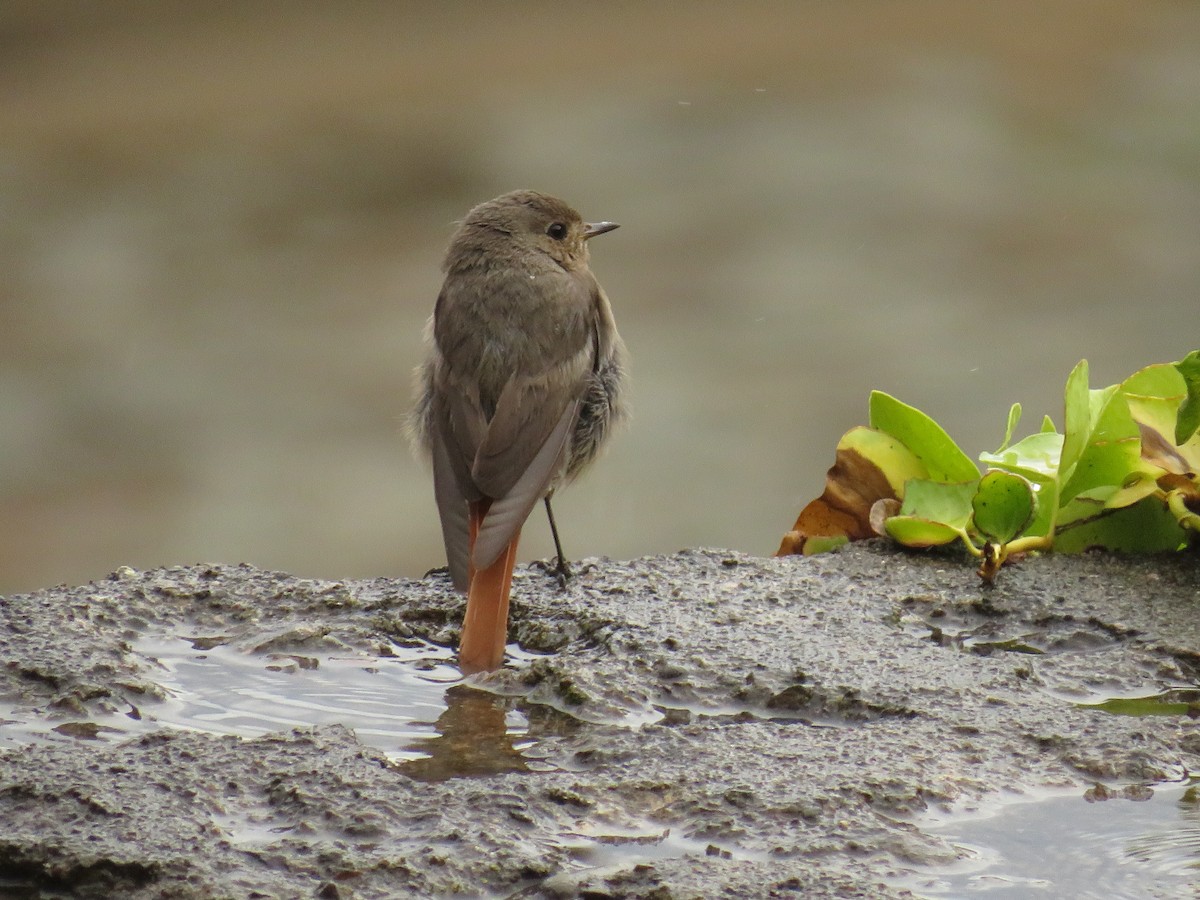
(436, 570)
(559, 569)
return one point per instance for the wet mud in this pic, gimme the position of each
(706, 724)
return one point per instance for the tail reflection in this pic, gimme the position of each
(472, 739)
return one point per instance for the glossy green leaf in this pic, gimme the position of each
(1112, 451)
(1077, 418)
(823, 544)
(888, 454)
(913, 531)
(1003, 506)
(940, 501)
(1145, 527)
(1189, 411)
(1086, 505)
(1137, 488)
(1159, 380)
(1155, 705)
(1038, 454)
(1014, 418)
(941, 457)
(933, 513)
(1034, 458)
(1155, 395)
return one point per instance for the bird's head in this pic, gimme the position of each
(539, 222)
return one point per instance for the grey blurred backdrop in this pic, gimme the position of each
(221, 224)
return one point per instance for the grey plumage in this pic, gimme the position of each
(523, 381)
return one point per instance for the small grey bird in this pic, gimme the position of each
(521, 387)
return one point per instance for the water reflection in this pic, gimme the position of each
(473, 738)
(409, 704)
(219, 688)
(1133, 841)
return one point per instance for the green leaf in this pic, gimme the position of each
(1034, 458)
(1154, 705)
(941, 457)
(1087, 505)
(912, 531)
(933, 513)
(1112, 452)
(939, 501)
(1145, 527)
(1035, 455)
(824, 544)
(1003, 506)
(1100, 441)
(894, 461)
(1189, 412)
(1137, 488)
(1154, 395)
(1048, 426)
(1014, 418)
(1077, 418)
(1159, 380)
(1110, 418)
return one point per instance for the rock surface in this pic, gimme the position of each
(707, 724)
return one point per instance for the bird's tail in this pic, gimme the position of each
(485, 627)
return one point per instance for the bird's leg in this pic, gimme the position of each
(562, 568)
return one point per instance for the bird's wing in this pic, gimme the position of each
(513, 459)
(452, 509)
(512, 506)
(456, 428)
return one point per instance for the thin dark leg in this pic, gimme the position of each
(562, 568)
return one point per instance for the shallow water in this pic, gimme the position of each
(414, 706)
(417, 709)
(389, 701)
(1140, 842)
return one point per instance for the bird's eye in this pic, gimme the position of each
(557, 230)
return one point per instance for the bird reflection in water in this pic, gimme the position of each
(473, 739)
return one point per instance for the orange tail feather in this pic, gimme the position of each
(485, 626)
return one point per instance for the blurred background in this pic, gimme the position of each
(221, 226)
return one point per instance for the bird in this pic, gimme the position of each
(522, 384)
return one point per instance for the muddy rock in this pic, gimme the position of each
(707, 724)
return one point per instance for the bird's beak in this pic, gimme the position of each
(594, 228)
